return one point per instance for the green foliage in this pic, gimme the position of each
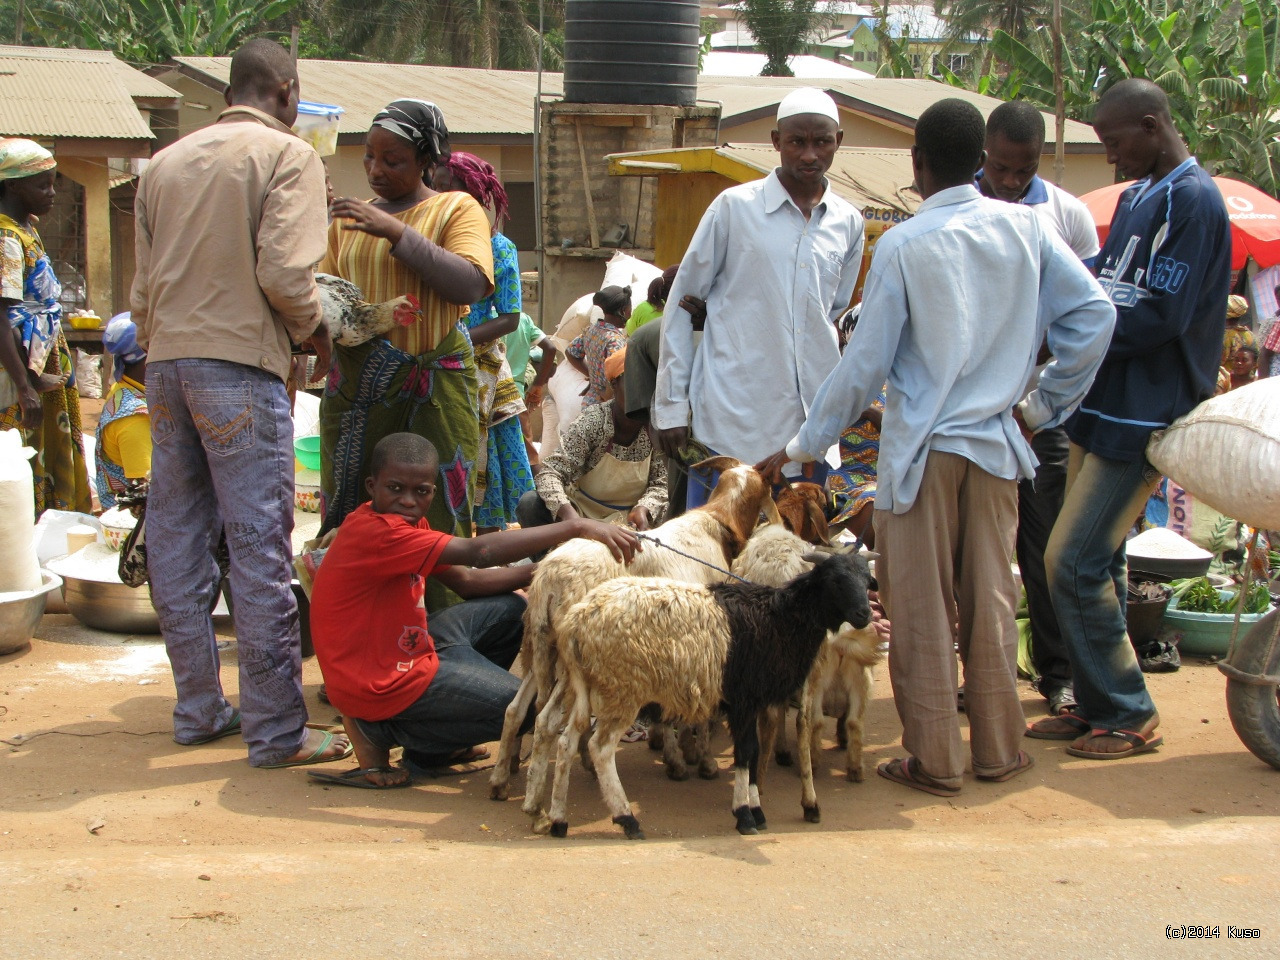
(501, 34)
(151, 31)
(1217, 63)
(782, 28)
(1201, 596)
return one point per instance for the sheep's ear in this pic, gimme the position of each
(815, 557)
(718, 464)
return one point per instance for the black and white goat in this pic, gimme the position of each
(694, 650)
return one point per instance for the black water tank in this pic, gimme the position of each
(631, 51)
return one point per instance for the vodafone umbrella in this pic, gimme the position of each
(1255, 219)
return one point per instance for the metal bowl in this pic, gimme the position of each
(19, 615)
(111, 606)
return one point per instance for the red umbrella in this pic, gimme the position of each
(1255, 219)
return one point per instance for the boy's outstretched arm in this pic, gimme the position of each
(505, 546)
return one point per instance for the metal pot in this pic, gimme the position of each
(111, 606)
(20, 615)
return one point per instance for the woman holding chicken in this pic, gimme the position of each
(421, 378)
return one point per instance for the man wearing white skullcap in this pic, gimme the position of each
(775, 262)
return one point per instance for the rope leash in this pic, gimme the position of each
(689, 556)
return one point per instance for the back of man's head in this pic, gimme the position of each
(1018, 122)
(950, 135)
(258, 69)
(1133, 99)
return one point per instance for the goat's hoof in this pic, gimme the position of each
(709, 770)
(757, 816)
(630, 826)
(677, 773)
(560, 828)
(541, 823)
(746, 822)
(499, 791)
(783, 758)
(813, 814)
(855, 774)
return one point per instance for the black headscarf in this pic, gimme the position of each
(421, 123)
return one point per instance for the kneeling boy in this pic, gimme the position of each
(434, 693)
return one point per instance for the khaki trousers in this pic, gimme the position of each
(946, 562)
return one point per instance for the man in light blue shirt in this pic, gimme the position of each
(776, 262)
(957, 302)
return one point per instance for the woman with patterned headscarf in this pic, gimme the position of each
(37, 383)
(421, 378)
(503, 474)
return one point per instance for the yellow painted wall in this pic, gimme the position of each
(92, 175)
(682, 200)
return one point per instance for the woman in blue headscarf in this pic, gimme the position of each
(37, 383)
(124, 429)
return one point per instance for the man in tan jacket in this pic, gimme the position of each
(230, 226)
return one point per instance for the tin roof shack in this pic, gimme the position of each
(876, 181)
(96, 114)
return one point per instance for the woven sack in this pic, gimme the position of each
(1226, 453)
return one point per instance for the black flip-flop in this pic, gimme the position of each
(356, 778)
(1079, 727)
(232, 728)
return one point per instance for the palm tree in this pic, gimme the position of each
(464, 33)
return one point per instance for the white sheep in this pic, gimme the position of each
(693, 650)
(841, 674)
(713, 534)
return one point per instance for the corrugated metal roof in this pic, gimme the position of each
(501, 101)
(79, 94)
(137, 83)
(473, 101)
(899, 101)
(868, 178)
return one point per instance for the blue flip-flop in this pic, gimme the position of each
(232, 727)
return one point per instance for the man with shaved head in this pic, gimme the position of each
(1014, 144)
(230, 227)
(1167, 268)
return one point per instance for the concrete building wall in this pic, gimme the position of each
(581, 203)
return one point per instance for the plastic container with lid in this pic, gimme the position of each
(317, 124)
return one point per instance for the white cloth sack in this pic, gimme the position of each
(20, 570)
(89, 375)
(624, 270)
(1226, 453)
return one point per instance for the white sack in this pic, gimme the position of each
(1226, 453)
(624, 270)
(51, 532)
(20, 570)
(89, 375)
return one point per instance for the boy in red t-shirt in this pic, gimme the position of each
(435, 693)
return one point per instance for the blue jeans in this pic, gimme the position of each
(1088, 580)
(465, 703)
(223, 457)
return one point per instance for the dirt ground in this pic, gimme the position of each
(114, 841)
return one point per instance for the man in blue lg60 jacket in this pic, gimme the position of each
(1167, 266)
